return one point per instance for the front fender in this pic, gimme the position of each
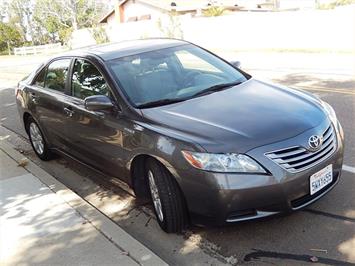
(165, 149)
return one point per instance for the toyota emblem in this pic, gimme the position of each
(315, 142)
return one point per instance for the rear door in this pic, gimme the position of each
(47, 94)
(96, 137)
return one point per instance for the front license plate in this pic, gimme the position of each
(320, 179)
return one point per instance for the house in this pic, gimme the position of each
(136, 10)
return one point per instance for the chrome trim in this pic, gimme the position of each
(259, 214)
(302, 156)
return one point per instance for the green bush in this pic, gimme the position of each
(9, 37)
(335, 4)
(213, 11)
(99, 35)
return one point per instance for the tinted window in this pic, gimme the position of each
(39, 81)
(87, 80)
(176, 73)
(57, 75)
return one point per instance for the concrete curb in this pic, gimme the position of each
(137, 251)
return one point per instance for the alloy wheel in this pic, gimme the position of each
(36, 138)
(155, 196)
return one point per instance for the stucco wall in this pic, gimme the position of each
(308, 29)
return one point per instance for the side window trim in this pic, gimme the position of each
(68, 83)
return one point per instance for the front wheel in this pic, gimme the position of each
(168, 201)
(37, 140)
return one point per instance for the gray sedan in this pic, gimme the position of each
(205, 141)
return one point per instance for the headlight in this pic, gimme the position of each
(330, 112)
(232, 163)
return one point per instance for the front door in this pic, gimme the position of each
(96, 137)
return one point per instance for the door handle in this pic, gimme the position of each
(69, 111)
(34, 97)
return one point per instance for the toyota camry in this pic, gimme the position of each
(201, 138)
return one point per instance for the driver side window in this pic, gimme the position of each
(87, 80)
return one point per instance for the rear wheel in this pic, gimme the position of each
(168, 201)
(37, 140)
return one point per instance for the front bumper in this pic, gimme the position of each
(227, 198)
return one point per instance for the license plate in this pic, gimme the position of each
(320, 179)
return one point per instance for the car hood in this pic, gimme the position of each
(240, 118)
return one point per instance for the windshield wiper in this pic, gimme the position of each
(209, 90)
(216, 88)
(161, 102)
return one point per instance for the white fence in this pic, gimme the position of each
(40, 49)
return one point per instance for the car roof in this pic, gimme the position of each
(126, 48)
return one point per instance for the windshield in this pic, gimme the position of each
(172, 74)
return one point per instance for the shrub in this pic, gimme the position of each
(335, 4)
(214, 11)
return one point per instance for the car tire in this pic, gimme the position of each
(37, 140)
(168, 201)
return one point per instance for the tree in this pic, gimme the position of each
(59, 18)
(20, 13)
(9, 36)
(45, 21)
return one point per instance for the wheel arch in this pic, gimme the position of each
(26, 116)
(137, 173)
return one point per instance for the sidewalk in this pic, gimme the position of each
(42, 222)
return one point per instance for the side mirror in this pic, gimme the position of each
(98, 103)
(235, 63)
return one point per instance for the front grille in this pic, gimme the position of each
(296, 159)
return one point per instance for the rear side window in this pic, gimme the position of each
(87, 80)
(57, 75)
(39, 81)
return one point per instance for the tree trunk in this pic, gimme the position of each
(8, 47)
(74, 13)
(75, 24)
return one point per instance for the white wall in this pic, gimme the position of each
(81, 38)
(308, 29)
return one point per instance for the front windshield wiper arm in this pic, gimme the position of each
(216, 88)
(160, 102)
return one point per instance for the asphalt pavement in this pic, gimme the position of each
(323, 232)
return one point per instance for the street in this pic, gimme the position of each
(323, 232)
